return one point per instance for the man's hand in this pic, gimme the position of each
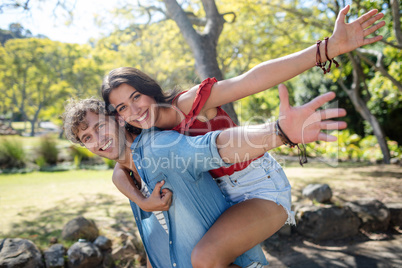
(303, 124)
(159, 200)
(349, 36)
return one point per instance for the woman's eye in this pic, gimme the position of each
(101, 126)
(136, 96)
(122, 108)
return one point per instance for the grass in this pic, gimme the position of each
(37, 205)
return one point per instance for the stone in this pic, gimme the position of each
(54, 256)
(84, 255)
(103, 243)
(17, 252)
(321, 193)
(108, 261)
(329, 222)
(396, 214)
(80, 228)
(374, 215)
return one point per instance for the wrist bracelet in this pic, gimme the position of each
(286, 141)
(318, 62)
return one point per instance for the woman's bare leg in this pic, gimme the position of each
(237, 230)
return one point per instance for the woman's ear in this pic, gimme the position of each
(120, 120)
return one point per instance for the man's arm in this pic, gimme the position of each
(159, 200)
(302, 124)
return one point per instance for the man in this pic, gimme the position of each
(182, 163)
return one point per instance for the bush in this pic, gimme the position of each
(80, 154)
(47, 152)
(109, 163)
(12, 154)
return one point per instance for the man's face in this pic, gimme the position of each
(101, 135)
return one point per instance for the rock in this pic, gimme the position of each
(134, 240)
(7, 130)
(84, 255)
(375, 216)
(129, 251)
(53, 240)
(108, 261)
(78, 228)
(322, 193)
(54, 256)
(328, 222)
(103, 243)
(17, 252)
(396, 214)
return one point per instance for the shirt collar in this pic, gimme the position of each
(141, 137)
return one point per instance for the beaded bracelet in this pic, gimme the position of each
(286, 141)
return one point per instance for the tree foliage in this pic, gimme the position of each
(39, 74)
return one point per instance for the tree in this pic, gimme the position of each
(355, 78)
(40, 73)
(200, 33)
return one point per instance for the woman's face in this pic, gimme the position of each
(136, 109)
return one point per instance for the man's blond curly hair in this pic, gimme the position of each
(74, 116)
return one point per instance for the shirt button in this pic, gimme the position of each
(174, 264)
(170, 242)
(139, 167)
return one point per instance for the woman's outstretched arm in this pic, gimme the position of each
(345, 38)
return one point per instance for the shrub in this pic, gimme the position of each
(12, 154)
(80, 154)
(48, 151)
(110, 163)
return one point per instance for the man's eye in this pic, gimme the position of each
(87, 139)
(101, 126)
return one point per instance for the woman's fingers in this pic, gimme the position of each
(333, 125)
(326, 137)
(284, 98)
(331, 113)
(321, 100)
(373, 28)
(342, 14)
(365, 17)
(372, 20)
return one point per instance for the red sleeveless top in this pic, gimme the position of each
(193, 127)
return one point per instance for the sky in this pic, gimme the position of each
(41, 20)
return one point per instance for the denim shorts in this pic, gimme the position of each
(264, 178)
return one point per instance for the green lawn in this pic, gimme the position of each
(37, 205)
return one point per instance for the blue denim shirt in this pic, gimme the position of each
(197, 202)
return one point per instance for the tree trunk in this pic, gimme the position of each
(32, 128)
(203, 45)
(363, 110)
(397, 20)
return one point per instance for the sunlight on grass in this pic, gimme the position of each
(28, 196)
